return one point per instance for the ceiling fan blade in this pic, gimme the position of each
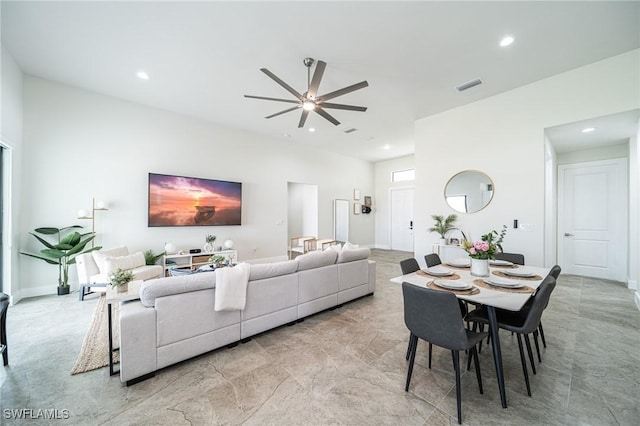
(282, 83)
(326, 115)
(341, 106)
(272, 99)
(303, 118)
(343, 91)
(283, 112)
(315, 81)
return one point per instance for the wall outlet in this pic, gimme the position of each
(526, 227)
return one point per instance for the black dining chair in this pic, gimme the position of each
(522, 323)
(515, 258)
(432, 260)
(555, 273)
(408, 266)
(433, 316)
(4, 306)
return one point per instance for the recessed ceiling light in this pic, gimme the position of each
(506, 41)
(142, 75)
(311, 129)
(287, 135)
(588, 130)
(387, 147)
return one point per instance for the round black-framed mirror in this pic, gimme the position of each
(469, 191)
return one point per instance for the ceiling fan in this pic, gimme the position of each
(309, 100)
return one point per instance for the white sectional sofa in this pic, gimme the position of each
(175, 320)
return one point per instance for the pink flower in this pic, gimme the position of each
(472, 250)
(485, 246)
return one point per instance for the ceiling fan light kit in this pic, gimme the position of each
(309, 101)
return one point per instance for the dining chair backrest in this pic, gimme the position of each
(540, 302)
(434, 316)
(432, 259)
(555, 271)
(516, 258)
(409, 265)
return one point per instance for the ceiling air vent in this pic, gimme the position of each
(469, 84)
(351, 130)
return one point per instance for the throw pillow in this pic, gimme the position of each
(128, 262)
(100, 255)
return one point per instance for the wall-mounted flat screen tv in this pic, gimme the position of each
(188, 201)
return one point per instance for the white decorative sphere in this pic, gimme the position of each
(228, 244)
(170, 248)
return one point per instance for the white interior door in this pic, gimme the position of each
(401, 219)
(592, 219)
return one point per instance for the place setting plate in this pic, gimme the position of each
(438, 271)
(499, 262)
(453, 285)
(520, 273)
(502, 282)
(460, 263)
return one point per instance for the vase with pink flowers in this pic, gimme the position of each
(481, 251)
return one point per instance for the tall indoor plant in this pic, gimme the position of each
(62, 252)
(443, 225)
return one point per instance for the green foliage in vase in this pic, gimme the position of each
(120, 277)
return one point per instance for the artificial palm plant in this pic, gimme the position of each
(443, 224)
(63, 251)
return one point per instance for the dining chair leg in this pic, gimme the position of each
(476, 362)
(430, 352)
(414, 347)
(535, 340)
(544, 342)
(409, 346)
(530, 352)
(456, 367)
(524, 364)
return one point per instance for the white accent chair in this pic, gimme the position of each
(94, 268)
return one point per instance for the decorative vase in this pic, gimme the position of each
(442, 241)
(208, 248)
(122, 288)
(480, 267)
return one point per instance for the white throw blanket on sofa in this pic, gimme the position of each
(231, 287)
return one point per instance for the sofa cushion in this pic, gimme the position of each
(126, 263)
(100, 255)
(316, 259)
(160, 287)
(335, 247)
(349, 255)
(261, 271)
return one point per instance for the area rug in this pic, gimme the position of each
(93, 354)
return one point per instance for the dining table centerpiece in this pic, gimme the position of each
(484, 250)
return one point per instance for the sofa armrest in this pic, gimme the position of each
(138, 341)
(86, 267)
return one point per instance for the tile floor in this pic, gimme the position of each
(341, 367)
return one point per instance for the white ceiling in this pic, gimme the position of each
(202, 57)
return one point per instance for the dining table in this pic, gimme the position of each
(483, 292)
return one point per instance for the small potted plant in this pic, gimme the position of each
(443, 226)
(210, 239)
(217, 260)
(484, 250)
(120, 280)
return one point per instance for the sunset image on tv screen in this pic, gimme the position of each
(185, 201)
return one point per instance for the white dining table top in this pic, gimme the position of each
(496, 298)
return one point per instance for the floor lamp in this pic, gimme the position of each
(95, 206)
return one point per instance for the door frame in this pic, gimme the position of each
(623, 181)
(397, 188)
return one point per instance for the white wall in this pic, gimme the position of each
(503, 136)
(620, 150)
(81, 144)
(383, 185)
(550, 204)
(11, 138)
